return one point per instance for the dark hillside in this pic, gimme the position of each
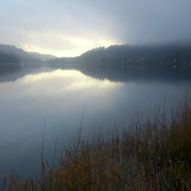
(128, 62)
(8, 63)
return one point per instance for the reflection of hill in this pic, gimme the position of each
(125, 62)
(19, 73)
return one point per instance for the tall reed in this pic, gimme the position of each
(151, 157)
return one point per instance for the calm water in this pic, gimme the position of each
(55, 101)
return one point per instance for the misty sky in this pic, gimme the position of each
(68, 28)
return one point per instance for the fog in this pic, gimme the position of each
(72, 27)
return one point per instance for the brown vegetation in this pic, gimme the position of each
(153, 157)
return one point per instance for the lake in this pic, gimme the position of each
(54, 106)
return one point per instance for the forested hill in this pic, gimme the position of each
(132, 62)
(13, 59)
(6, 58)
(9, 63)
(25, 57)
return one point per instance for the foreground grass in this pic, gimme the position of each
(151, 157)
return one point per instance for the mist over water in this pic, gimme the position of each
(73, 70)
(55, 101)
(69, 28)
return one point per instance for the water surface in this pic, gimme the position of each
(56, 101)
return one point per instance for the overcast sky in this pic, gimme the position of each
(68, 28)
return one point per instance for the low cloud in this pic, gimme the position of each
(76, 25)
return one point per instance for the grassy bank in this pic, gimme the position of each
(150, 157)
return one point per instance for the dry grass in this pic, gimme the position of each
(153, 157)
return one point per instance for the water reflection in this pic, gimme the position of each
(61, 97)
(64, 80)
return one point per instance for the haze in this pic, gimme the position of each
(69, 28)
